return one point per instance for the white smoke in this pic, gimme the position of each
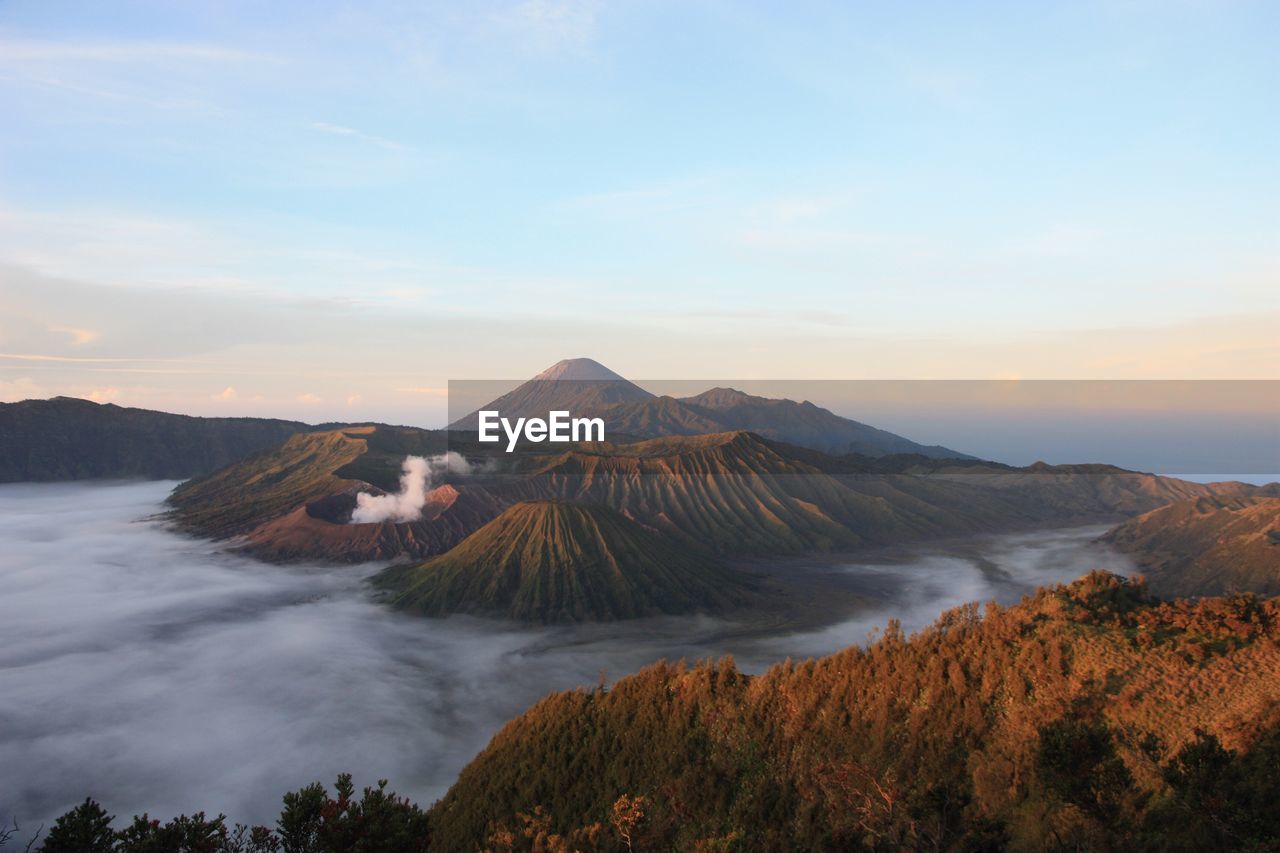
(416, 478)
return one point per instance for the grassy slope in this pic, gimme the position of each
(1207, 546)
(269, 484)
(553, 562)
(304, 468)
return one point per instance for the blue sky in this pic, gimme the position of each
(316, 203)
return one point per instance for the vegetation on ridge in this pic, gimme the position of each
(1088, 716)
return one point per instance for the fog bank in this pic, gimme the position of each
(158, 673)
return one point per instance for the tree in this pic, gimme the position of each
(84, 829)
(627, 816)
(1077, 762)
(379, 822)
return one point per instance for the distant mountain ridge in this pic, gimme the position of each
(806, 425)
(66, 438)
(585, 388)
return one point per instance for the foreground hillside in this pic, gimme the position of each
(545, 561)
(1207, 546)
(70, 439)
(1087, 717)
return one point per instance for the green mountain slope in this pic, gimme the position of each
(554, 562)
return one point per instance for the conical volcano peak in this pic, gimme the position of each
(579, 370)
(582, 386)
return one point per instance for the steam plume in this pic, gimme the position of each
(415, 481)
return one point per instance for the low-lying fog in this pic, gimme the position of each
(158, 673)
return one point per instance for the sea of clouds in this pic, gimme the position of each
(160, 673)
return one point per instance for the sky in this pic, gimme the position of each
(329, 210)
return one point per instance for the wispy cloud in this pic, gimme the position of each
(22, 388)
(659, 199)
(79, 337)
(373, 139)
(811, 239)
(22, 50)
(124, 247)
(26, 356)
(725, 209)
(430, 392)
(129, 248)
(150, 74)
(552, 22)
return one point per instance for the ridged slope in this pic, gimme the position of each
(294, 501)
(545, 561)
(739, 493)
(1207, 546)
(730, 492)
(1082, 491)
(234, 499)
